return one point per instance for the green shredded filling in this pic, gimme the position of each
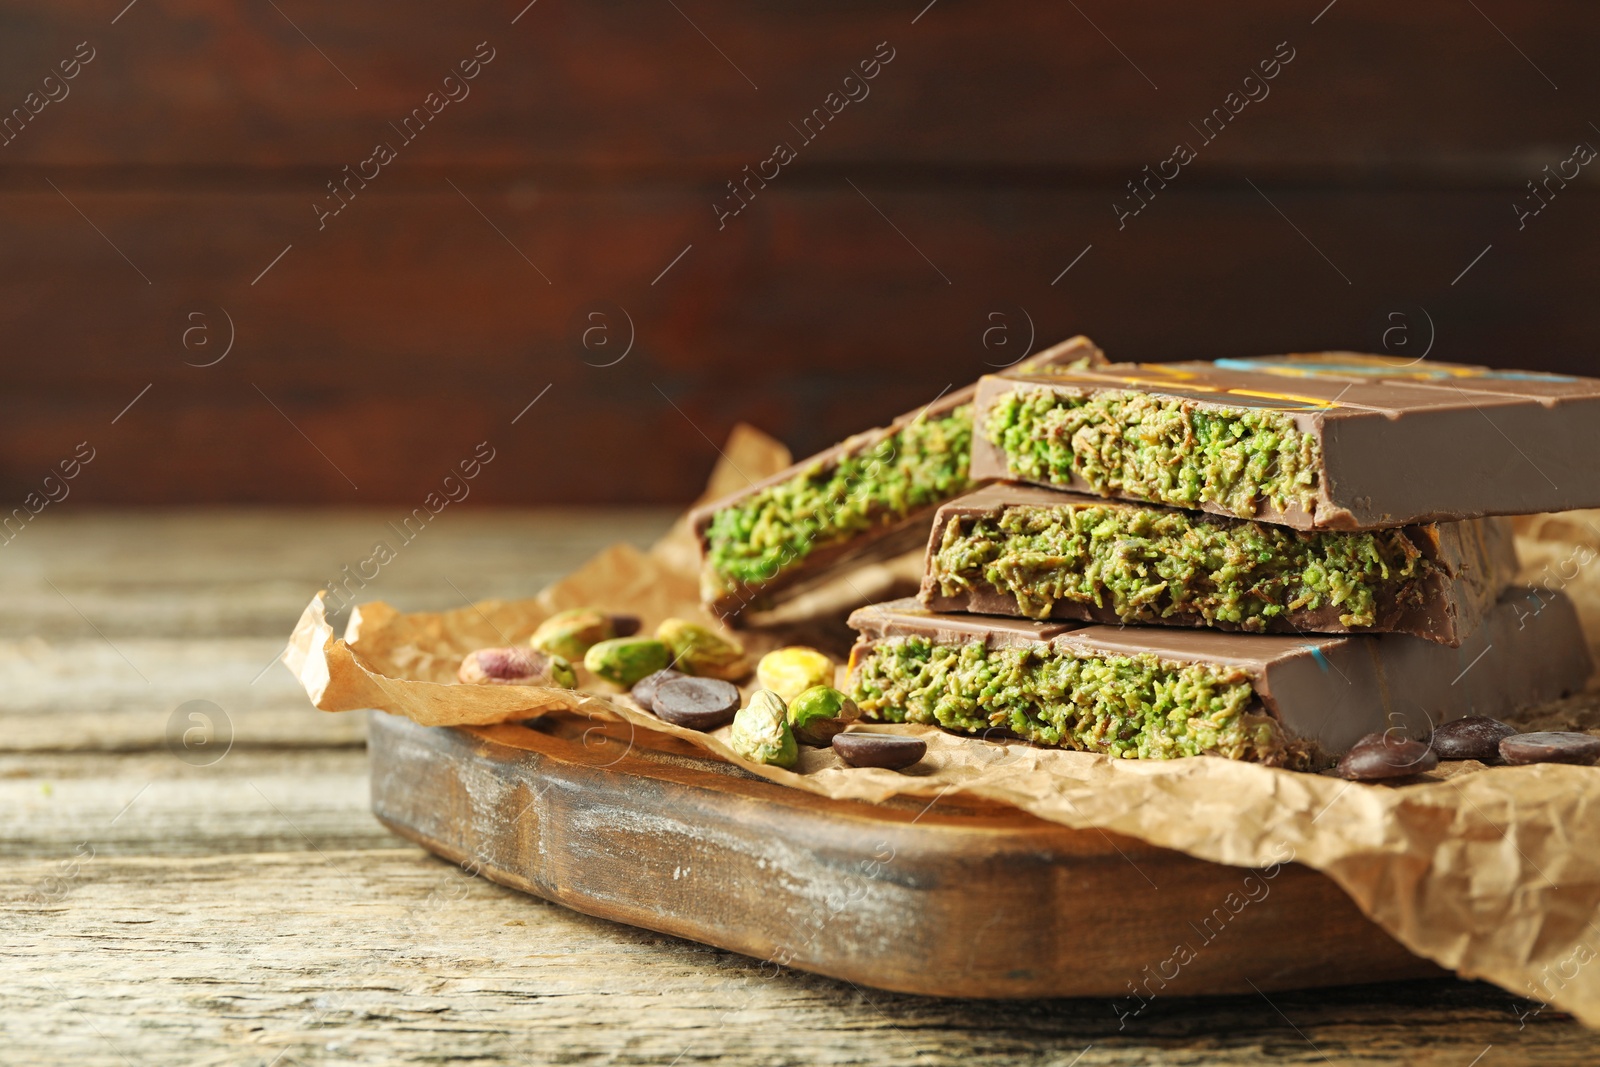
(923, 463)
(1157, 448)
(1131, 707)
(1149, 565)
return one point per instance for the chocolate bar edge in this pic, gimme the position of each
(1453, 603)
(1513, 463)
(881, 542)
(1326, 690)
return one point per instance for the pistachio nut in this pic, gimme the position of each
(819, 713)
(791, 671)
(626, 660)
(517, 666)
(702, 651)
(570, 633)
(761, 731)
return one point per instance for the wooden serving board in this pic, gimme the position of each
(952, 898)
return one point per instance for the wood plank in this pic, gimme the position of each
(238, 578)
(93, 807)
(390, 955)
(117, 620)
(126, 694)
(612, 89)
(375, 356)
(50, 769)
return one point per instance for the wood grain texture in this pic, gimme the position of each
(99, 648)
(215, 923)
(611, 87)
(377, 354)
(939, 897)
(150, 804)
(391, 955)
(238, 575)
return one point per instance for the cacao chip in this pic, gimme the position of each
(696, 703)
(879, 750)
(1474, 737)
(1374, 758)
(1550, 747)
(644, 692)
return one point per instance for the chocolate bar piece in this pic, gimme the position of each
(1018, 550)
(867, 498)
(1334, 440)
(1160, 693)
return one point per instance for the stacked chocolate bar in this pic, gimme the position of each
(1264, 559)
(867, 498)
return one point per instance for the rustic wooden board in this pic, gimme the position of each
(946, 897)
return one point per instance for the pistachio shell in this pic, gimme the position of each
(573, 632)
(703, 651)
(761, 731)
(819, 713)
(561, 672)
(517, 666)
(791, 671)
(626, 660)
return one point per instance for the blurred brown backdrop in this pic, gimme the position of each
(164, 201)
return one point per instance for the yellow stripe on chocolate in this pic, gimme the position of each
(1161, 368)
(1133, 379)
(1314, 401)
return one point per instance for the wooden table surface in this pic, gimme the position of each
(251, 911)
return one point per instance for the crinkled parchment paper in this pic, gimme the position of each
(1493, 872)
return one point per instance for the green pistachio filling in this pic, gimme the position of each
(922, 463)
(1157, 448)
(1150, 564)
(1131, 707)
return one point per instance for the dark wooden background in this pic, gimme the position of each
(375, 353)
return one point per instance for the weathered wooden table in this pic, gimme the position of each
(240, 905)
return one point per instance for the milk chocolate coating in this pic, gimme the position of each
(1476, 558)
(1401, 441)
(883, 541)
(1326, 691)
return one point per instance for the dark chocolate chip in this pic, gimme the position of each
(696, 703)
(625, 625)
(644, 690)
(1474, 737)
(1550, 747)
(1374, 757)
(879, 750)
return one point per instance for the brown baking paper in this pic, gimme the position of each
(1493, 872)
